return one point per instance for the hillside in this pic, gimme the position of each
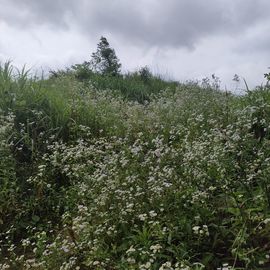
(132, 173)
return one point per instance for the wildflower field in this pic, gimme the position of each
(176, 179)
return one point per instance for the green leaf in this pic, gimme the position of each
(35, 218)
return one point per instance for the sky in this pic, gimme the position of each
(180, 39)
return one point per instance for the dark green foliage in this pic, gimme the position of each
(145, 74)
(104, 60)
(82, 71)
(135, 86)
(123, 172)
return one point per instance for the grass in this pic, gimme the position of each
(122, 173)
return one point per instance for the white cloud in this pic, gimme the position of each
(187, 39)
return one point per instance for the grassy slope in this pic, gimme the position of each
(94, 179)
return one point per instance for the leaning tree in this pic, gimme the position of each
(104, 60)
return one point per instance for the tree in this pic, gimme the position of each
(82, 71)
(145, 74)
(104, 60)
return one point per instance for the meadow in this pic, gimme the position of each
(132, 173)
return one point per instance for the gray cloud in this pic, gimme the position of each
(190, 38)
(29, 13)
(173, 23)
(256, 41)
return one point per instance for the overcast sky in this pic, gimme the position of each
(183, 39)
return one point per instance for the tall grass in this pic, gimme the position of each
(94, 175)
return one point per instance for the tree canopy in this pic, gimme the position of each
(104, 60)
